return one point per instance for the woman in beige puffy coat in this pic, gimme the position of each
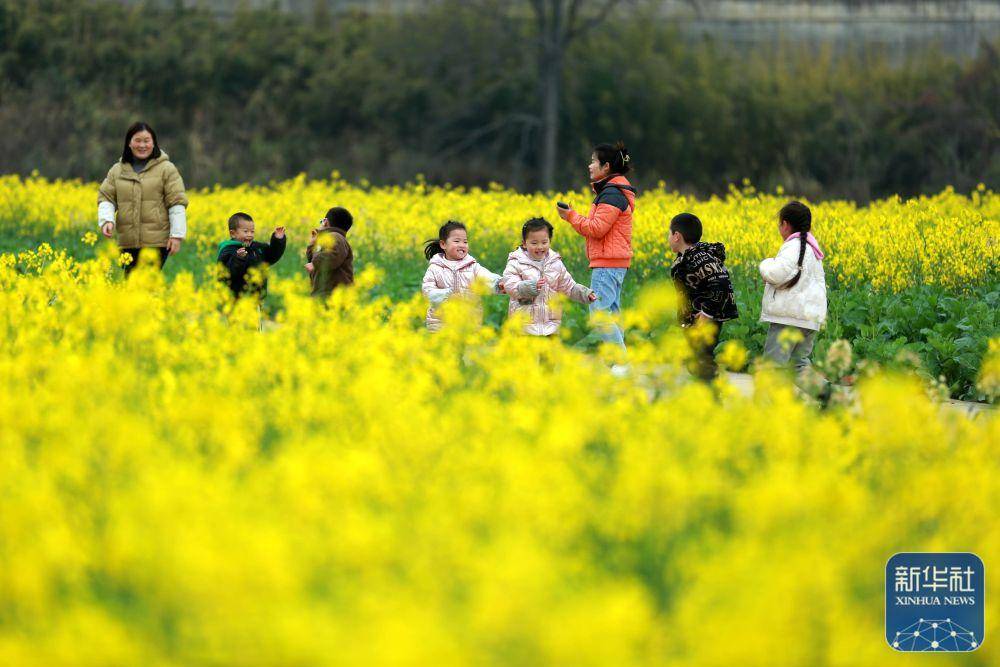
(534, 275)
(142, 199)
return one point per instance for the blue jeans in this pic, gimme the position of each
(607, 283)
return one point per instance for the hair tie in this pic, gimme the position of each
(625, 158)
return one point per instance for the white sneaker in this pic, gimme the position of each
(620, 370)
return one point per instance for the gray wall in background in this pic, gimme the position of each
(957, 27)
(899, 27)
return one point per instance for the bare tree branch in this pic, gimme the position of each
(556, 24)
(574, 10)
(699, 11)
(542, 17)
(597, 19)
(511, 119)
(497, 11)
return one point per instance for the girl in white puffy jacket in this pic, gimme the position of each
(451, 270)
(794, 289)
(535, 273)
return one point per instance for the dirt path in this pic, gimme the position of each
(744, 383)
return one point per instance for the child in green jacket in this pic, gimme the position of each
(241, 253)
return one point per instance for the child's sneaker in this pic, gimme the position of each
(620, 370)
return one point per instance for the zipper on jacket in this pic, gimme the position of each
(542, 302)
(138, 225)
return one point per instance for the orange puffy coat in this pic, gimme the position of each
(608, 228)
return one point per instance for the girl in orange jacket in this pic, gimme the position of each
(608, 230)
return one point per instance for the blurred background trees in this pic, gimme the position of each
(462, 92)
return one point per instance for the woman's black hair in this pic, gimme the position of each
(535, 225)
(132, 131)
(615, 155)
(799, 218)
(433, 246)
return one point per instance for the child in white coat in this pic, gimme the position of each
(794, 289)
(534, 274)
(451, 269)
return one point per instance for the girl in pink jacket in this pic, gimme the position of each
(452, 270)
(534, 274)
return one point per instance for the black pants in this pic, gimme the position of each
(134, 253)
(702, 363)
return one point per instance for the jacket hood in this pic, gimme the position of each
(619, 182)
(717, 250)
(132, 174)
(228, 243)
(521, 255)
(151, 161)
(440, 260)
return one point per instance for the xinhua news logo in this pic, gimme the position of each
(934, 602)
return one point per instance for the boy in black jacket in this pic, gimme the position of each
(705, 291)
(241, 253)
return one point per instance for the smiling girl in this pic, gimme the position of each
(534, 274)
(451, 270)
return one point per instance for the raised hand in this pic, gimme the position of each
(279, 232)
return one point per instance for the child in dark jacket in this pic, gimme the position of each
(705, 291)
(241, 253)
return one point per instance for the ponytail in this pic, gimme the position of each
(799, 217)
(433, 246)
(614, 155)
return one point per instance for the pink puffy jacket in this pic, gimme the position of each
(520, 282)
(445, 278)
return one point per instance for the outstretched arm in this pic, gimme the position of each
(574, 290)
(482, 273)
(274, 250)
(436, 295)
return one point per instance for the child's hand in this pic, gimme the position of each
(593, 297)
(501, 289)
(309, 267)
(279, 232)
(241, 252)
(541, 282)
